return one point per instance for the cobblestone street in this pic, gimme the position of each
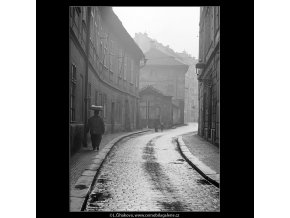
(80, 160)
(203, 150)
(147, 173)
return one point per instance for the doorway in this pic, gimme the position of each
(112, 117)
(82, 97)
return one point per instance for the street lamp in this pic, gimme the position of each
(200, 65)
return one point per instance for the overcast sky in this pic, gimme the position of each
(177, 27)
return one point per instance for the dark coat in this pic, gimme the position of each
(96, 125)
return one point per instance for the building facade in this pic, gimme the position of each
(167, 75)
(209, 74)
(104, 68)
(154, 105)
(190, 86)
(191, 89)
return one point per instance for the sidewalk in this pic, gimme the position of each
(203, 155)
(206, 152)
(85, 165)
(80, 160)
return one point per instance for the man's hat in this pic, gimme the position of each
(96, 108)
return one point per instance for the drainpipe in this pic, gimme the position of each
(87, 72)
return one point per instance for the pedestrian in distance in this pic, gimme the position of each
(161, 126)
(96, 127)
(156, 124)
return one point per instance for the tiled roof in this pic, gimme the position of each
(152, 88)
(114, 23)
(157, 57)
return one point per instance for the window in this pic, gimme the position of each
(106, 55)
(74, 74)
(84, 34)
(133, 112)
(115, 58)
(99, 27)
(89, 98)
(129, 69)
(217, 17)
(104, 106)
(73, 92)
(121, 60)
(93, 11)
(76, 13)
(92, 29)
(143, 110)
(207, 32)
(84, 14)
(117, 112)
(120, 112)
(100, 99)
(136, 78)
(71, 9)
(95, 33)
(94, 51)
(96, 98)
(132, 71)
(125, 66)
(101, 50)
(111, 55)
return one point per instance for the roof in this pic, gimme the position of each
(142, 39)
(150, 88)
(116, 26)
(156, 57)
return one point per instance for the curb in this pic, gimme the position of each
(200, 167)
(85, 183)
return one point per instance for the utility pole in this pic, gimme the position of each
(87, 72)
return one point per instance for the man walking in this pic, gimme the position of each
(161, 126)
(96, 127)
(156, 124)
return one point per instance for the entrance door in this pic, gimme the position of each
(210, 99)
(112, 117)
(82, 97)
(127, 117)
(204, 108)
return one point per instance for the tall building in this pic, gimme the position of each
(104, 63)
(209, 74)
(154, 105)
(171, 73)
(191, 89)
(167, 75)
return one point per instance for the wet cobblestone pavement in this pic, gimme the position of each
(147, 173)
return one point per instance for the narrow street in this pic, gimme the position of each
(147, 173)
